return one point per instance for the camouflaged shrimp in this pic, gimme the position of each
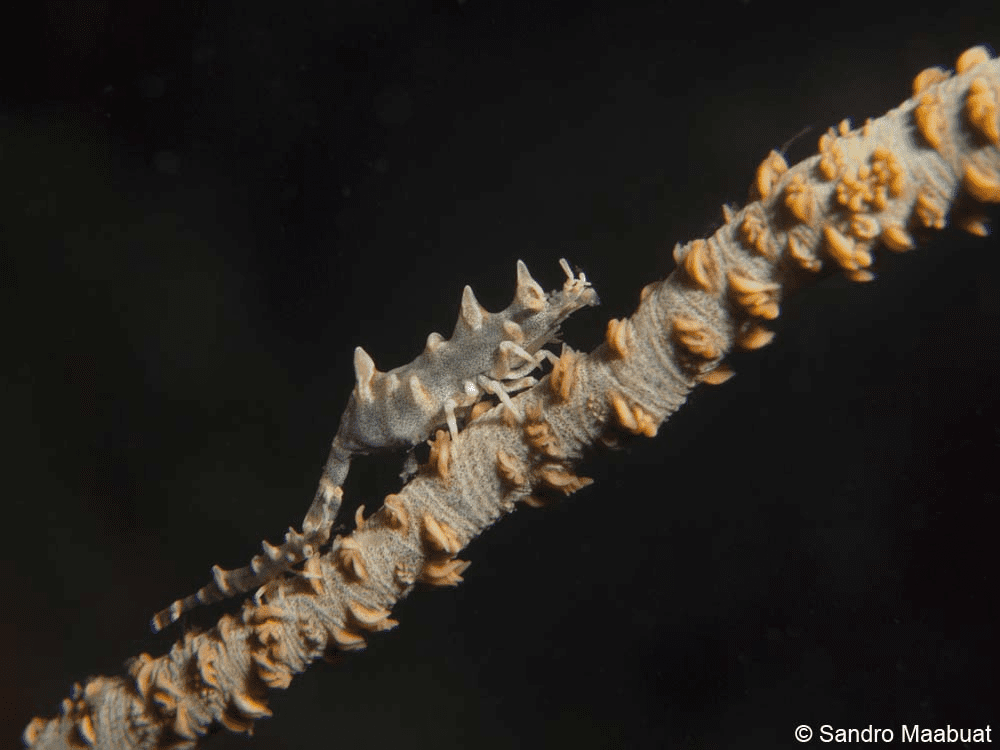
(488, 353)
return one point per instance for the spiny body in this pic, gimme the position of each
(488, 353)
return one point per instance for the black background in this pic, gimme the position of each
(205, 206)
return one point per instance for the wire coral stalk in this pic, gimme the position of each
(881, 184)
